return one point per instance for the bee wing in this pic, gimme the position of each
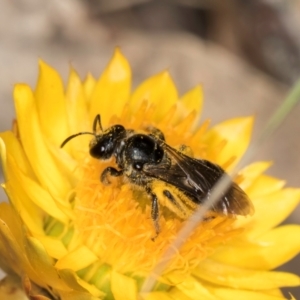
(196, 178)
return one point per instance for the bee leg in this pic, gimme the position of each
(177, 206)
(109, 171)
(154, 212)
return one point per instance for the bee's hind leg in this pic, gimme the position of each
(154, 212)
(109, 171)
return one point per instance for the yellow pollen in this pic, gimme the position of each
(114, 221)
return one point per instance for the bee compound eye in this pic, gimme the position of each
(102, 148)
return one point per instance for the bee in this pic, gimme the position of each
(170, 177)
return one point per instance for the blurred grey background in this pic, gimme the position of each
(246, 53)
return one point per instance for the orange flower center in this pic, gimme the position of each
(115, 220)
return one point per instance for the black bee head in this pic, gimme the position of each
(104, 145)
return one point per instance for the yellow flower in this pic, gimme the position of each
(76, 238)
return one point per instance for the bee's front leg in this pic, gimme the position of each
(109, 171)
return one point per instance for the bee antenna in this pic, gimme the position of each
(73, 136)
(97, 121)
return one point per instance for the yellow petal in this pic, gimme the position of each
(13, 254)
(268, 251)
(252, 171)
(203, 290)
(121, 283)
(192, 100)
(159, 90)
(30, 214)
(112, 89)
(76, 295)
(10, 144)
(279, 205)
(67, 164)
(9, 216)
(159, 296)
(230, 294)
(51, 105)
(3, 157)
(193, 289)
(54, 247)
(176, 294)
(77, 259)
(237, 134)
(9, 249)
(264, 185)
(239, 278)
(78, 116)
(186, 124)
(38, 195)
(11, 150)
(44, 166)
(76, 104)
(42, 263)
(88, 86)
(77, 284)
(274, 292)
